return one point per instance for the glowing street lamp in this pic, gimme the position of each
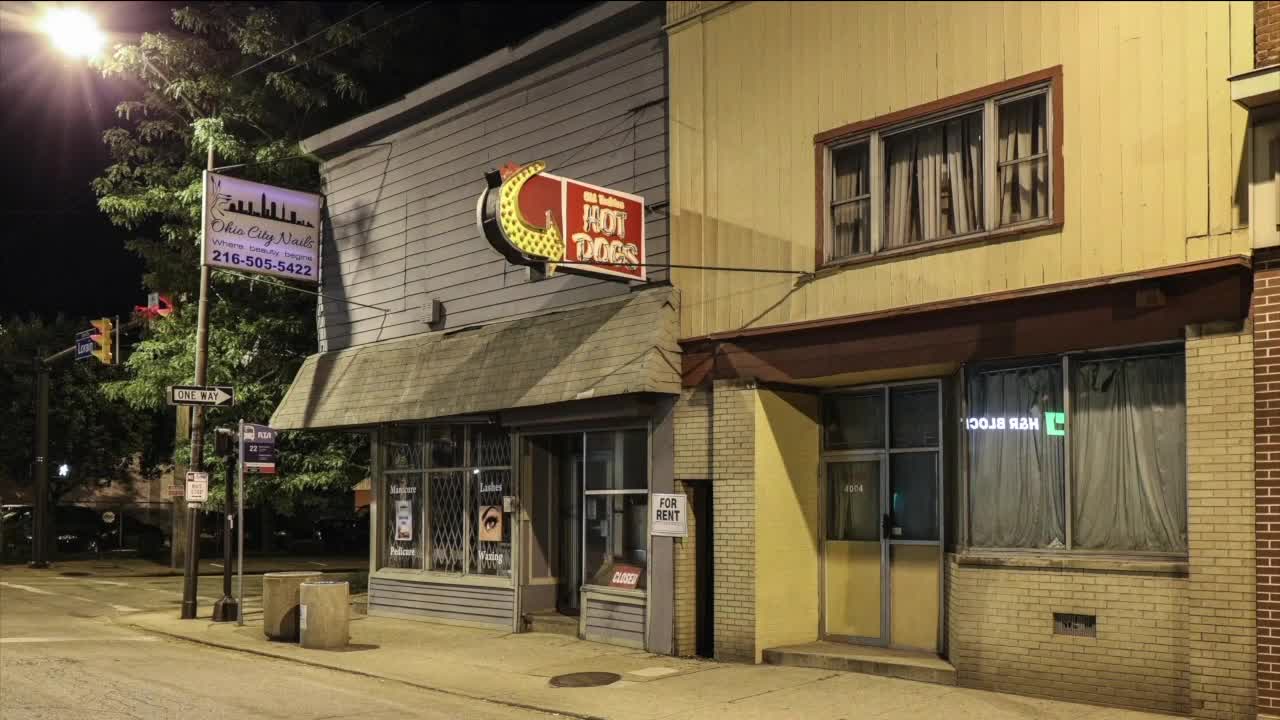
(64, 470)
(74, 32)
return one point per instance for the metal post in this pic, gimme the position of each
(226, 609)
(191, 572)
(240, 522)
(40, 523)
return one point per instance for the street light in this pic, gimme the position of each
(64, 470)
(74, 32)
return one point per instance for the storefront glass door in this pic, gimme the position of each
(882, 520)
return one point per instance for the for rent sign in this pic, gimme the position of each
(261, 228)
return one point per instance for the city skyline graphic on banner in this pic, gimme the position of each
(267, 213)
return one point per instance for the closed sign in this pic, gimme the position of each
(670, 515)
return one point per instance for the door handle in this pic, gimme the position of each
(884, 526)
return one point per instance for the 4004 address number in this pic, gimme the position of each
(260, 263)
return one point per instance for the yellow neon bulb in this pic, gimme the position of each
(526, 237)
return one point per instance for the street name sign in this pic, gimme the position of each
(197, 487)
(84, 345)
(211, 396)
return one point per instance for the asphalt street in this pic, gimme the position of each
(63, 656)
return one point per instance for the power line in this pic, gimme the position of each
(305, 40)
(298, 289)
(335, 48)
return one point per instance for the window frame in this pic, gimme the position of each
(646, 491)
(987, 99)
(1067, 361)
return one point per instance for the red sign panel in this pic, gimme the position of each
(604, 228)
(625, 576)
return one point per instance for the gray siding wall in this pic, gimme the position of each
(470, 603)
(611, 622)
(401, 224)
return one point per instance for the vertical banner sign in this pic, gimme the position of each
(258, 449)
(260, 228)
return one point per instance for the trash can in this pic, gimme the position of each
(325, 611)
(280, 603)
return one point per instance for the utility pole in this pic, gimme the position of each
(191, 571)
(40, 524)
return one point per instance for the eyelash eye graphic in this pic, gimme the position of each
(490, 519)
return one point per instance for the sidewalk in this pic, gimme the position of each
(138, 567)
(515, 669)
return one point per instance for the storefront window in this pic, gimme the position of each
(616, 509)
(450, 518)
(1124, 432)
(616, 551)
(1017, 477)
(1128, 454)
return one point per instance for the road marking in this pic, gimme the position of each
(28, 588)
(313, 562)
(215, 564)
(111, 638)
(123, 608)
(95, 582)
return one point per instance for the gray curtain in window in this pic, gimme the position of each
(1017, 491)
(1128, 426)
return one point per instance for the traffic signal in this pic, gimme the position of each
(102, 338)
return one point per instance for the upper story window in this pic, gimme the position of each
(967, 167)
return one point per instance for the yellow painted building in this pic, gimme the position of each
(968, 364)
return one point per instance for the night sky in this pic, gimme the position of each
(57, 253)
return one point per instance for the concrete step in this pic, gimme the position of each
(904, 664)
(551, 622)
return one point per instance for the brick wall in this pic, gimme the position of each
(1000, 625)
(733, 519)
(686, 580)
(1220, 522)
(1266, 32)
(693, 433)
(1266, 443)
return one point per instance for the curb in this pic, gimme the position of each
(217, 573)
(361, 673)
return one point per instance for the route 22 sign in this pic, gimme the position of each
(535, 218)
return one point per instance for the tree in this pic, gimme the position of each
(99, 438)
(203, 85)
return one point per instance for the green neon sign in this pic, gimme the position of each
(1055, 423)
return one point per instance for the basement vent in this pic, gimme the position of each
(1078, 625)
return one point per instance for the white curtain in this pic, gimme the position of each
(1023, 185)
(964, 168)
(850, 220)
(1017, 492)
(1128, 456)
(900, 159)
(934, 181)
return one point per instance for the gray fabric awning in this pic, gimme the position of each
(609, 347)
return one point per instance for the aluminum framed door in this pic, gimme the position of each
(882, 515)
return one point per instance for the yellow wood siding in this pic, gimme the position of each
(1152, 144)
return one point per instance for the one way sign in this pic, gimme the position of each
(197, 395)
